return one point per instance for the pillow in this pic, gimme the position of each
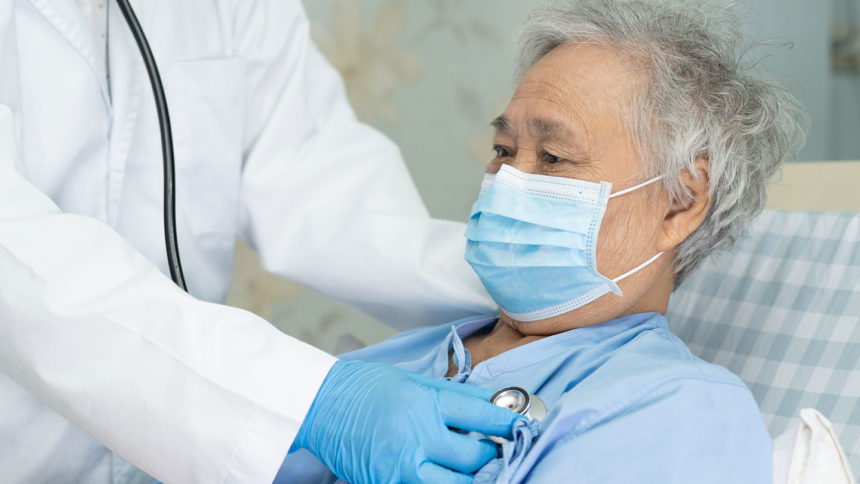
(782, 311)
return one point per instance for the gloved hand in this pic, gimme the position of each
(374, 423)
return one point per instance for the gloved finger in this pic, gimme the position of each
(430, 472)
(462, 453)
(475, 414)
(470, 390)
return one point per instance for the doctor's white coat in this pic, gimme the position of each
(96, 343)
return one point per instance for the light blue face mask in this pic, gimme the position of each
(532, 239)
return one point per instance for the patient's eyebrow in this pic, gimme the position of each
(550, 129)
(539, 127)
(502, 126)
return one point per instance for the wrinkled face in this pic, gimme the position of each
(567, 119)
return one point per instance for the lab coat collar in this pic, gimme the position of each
(69, 20)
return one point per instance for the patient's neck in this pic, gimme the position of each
(483, 346)
(509, 334)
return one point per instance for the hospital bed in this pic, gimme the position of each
(782, 308)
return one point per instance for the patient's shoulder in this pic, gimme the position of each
(651, 413)
(683, 430)
(657, 369)
(656, 355)
(670, 414)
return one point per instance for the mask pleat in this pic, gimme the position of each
(566, 215)
(524, 256)
(490, 227)
(516, 291)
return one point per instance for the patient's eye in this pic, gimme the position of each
(552, 159)
(501, 151)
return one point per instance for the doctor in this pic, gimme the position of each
(100, 350)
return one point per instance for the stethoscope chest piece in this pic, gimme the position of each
(520, 401)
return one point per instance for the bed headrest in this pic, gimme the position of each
(782, 310)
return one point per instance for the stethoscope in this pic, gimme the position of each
(170, 239)
(520, 401)
(513, 398)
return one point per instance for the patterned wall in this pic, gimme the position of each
(430, 75)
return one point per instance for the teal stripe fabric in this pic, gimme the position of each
(781, 309)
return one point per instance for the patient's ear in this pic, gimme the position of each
(681, 221)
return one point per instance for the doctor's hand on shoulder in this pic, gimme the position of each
(374, 423)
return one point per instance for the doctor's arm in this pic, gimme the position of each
(188, 391)
(191, 391)
(327, 200)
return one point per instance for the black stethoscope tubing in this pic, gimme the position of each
(170, 238)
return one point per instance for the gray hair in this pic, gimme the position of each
(698, 102)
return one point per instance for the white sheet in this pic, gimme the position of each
(808, 453)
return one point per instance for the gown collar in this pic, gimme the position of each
(527, 355)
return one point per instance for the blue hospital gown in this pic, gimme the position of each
(628, 403)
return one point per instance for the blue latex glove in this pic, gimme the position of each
(374, 423)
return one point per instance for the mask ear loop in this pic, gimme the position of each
(628, 190)
(644, 264)
(637, 268)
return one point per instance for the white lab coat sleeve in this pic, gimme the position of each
(327, 200)
(188, 391)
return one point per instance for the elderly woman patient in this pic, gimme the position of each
(633, 147)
